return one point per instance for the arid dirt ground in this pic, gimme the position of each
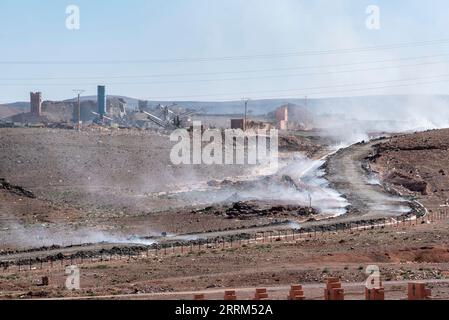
(410, 252)
(112, 181)
(416, 165)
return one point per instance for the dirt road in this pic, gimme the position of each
(367, 198)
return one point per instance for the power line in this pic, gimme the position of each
(230, 72)
(360, 89)
(233, 79)
(300, 94)
(242, 57)
(306, 89)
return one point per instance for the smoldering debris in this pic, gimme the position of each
(252, 208)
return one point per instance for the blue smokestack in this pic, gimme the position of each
(101, 100)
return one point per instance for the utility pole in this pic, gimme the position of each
(79, 92)
(306, 116)
(246, 113)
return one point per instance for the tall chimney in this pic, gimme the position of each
(101, 100)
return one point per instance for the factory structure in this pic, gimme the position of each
(119, 111)
(106, 110)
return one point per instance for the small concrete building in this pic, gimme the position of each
(292, 116)
(238, 124)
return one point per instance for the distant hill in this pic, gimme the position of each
(7, 111)
(25, 106)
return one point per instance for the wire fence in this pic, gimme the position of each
(158, 251)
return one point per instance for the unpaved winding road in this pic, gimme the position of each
(368, 199)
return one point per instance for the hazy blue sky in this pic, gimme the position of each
(131, 30)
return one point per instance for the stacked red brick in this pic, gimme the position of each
(375, 293)
(199, 296)
(296, 293)
(230, 295)
(418, 291)
(261, 294)
(333, 290)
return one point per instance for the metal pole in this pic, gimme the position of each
(246, 112)
(79, 113)
(79, 92)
